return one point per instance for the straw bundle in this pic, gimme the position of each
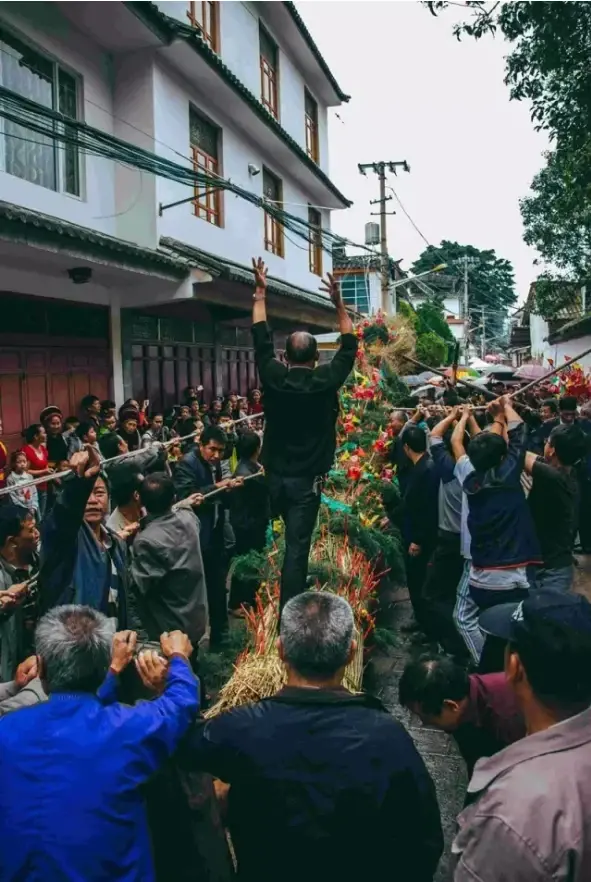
(260, 674)
(402, 344)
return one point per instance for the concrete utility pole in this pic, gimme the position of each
(379, 168)
(483, 336)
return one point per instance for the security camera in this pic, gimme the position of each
(253, 169)
(80, 274)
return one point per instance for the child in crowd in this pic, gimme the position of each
(25, 497)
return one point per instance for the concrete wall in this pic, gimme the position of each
(242, 235)
(44, 26)
(538, 331)
(239, 49)
(570, 349)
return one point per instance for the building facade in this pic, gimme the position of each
(121, 277)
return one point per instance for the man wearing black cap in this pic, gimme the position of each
(530, 804)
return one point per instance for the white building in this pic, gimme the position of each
(562, 337)
(160, 296)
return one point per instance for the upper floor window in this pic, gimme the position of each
(205, 16)
(273, 192)
(315, 250)
(355, 291)
(311, 108)
(205, 140)
(23, 152)
(269, 72)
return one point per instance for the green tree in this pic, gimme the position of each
(431, 349)
(491, 282)
(557, 213)
(548, 66)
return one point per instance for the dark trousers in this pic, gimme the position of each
(416, 574)
(492, 659)
(243, 591)
(585, 514)
(297, 501)
(439, 593)
(216, 569)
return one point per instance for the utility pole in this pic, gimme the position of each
(483, 337)
(379, 168)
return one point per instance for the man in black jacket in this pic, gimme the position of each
(419, 515)
(199, 471)
(249, 515)
(301, 409)
(321, 770)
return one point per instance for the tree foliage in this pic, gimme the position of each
(491, 282)
(557, 212)
(431, 349)
(548, 66)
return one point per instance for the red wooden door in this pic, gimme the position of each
(31, 377)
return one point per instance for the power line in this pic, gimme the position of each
(58, 128)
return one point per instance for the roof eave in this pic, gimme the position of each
(150, 14)
(243, 274)
(309, 40)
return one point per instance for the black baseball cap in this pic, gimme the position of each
(510, 621)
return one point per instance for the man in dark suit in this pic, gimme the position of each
(419, 515)
(199, 471)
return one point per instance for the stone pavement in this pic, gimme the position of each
(437, 749)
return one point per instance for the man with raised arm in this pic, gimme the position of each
(301, 407)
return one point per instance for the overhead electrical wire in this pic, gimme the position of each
(64, 130)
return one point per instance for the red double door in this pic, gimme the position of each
(35, 375)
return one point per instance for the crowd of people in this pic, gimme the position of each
(112, 575)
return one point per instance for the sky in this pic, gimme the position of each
(420, 95)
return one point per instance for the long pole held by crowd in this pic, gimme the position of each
(119, 458)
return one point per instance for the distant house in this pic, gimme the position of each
(361, 279)
(537, 338)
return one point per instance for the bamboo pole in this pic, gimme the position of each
(425, 367)
(46, 479)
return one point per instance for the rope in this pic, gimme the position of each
(186, 503)
(46, 479)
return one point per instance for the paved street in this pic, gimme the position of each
(437, 749)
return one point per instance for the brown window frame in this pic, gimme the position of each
(208, 203)
(269, 76)
(210, 35)
(273, 229)
(312, 144)
(315, 246)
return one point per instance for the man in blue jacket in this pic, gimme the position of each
(324, 783)
(82, 561)
(503, 537)
(72, 768)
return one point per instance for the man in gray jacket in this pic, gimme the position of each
(529, 806)
(26, 688)
(166, 564)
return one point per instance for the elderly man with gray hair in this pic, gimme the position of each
(324, 783)
(71, 768)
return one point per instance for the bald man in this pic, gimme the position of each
(301, 408)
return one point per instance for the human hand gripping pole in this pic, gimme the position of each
(97, 465)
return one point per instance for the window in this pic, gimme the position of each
(315, 221)
(355, 291)
(269, 72)
(23, 152)
(311, 126)
(206, 18)
(205, 147)
(273, 192)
